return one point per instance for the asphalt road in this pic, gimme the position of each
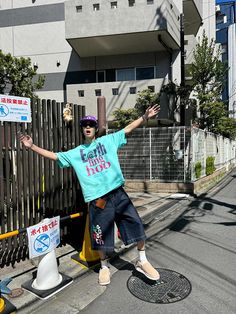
(201, 246)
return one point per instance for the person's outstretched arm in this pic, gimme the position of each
(150, 112)
(27, 141)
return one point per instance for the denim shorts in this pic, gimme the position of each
(118, 209)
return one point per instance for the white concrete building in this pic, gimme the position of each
(232, 69)
(100, 47)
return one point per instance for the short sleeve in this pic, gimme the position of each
(118, 138)
(63, 159)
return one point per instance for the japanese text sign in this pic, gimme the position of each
(44, 237)
(15, 109)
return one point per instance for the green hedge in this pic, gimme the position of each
(210, 165)
(198, 169)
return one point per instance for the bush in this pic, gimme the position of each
(210, 165)
(198, 169)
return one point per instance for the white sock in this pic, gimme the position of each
(142, 255)
(104, 263)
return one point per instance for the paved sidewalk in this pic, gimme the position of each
(154, 206)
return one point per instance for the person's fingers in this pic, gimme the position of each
(156, 107)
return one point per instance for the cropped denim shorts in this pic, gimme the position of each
(119, 209)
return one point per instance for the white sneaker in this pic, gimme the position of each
(148, 270)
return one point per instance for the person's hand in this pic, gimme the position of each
(151, 112)
(26, 140)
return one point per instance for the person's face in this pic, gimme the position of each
(89, 130)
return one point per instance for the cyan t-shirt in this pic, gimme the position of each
(96, 165)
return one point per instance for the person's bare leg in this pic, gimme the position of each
(102, 255)
(141, 245)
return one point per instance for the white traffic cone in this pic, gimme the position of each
(48, 276)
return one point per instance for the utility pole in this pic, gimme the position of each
(182, 68)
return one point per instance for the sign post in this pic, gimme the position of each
(15, 109)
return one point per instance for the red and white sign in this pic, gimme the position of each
(44, 237)
(15, 109)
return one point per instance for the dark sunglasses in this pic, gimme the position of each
(89, 123)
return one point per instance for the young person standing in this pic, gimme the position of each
(98, 170)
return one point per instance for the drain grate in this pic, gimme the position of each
(173, 287)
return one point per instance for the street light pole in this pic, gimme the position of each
(182, 68)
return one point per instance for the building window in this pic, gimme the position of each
(81, 93)
(78, 8)
(132, 90)
(115, 91)
(146, 73)
(150, 1)
(114, 5)
(96, 7)
(98, 92)
(151, 88)
(101, 76)
(125, 74)
(224, 48)
(131, 3)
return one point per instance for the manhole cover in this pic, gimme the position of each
(172, 288)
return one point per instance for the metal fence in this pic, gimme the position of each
(169, 154)
(206, 144)
(31, 187)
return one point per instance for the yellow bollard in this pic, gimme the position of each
(6, 307)
(2, 305)
(87, 257)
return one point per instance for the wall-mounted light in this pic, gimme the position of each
(35, 65)
(58, 63)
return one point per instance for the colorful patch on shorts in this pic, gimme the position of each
(97, 234)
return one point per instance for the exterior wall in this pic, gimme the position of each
(36, 29)
(209, 19)
(159, 15)
(227, 11)
(5, 4)
(123, 100)
(232, 70)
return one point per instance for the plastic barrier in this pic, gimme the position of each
(87, 257)
(48, 280)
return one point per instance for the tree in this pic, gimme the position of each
(123, 117)
(208, 76)
(227, 127)
(208, 72)
(145, 98)
(17, 76)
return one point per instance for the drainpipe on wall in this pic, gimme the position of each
(170, 51)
